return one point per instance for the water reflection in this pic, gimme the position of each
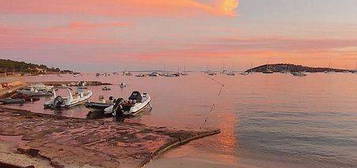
(277, 118)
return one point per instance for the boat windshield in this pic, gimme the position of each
(136, 96)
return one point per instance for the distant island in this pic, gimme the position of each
(10, 67)
(271, 68)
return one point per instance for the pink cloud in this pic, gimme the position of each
(120, 8)
(80, 26)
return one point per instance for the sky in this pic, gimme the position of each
(113, 35)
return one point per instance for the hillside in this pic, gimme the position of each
(10, 66)
(293, 68)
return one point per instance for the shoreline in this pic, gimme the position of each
(79, 142)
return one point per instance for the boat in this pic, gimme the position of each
(123, 85)
(101, 105)
(184, 73)
(106, 88)
(171, 75)
(211, 73)
(127, 73)
(153, 74)
(12, 101)
(27, 98)
(135, 103)
(76, 74)
(97, 106)
(36, 90)
(299, 74)
(140, 75)
(244, 73)
(73, 99)
(231, 73)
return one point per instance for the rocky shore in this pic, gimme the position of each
(67, 142)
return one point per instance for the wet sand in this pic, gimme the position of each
(62, 141)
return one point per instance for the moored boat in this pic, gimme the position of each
(72, 99)
(12, 101)
(36, 90)
(131, 107)
(106, 88)
(299, 74)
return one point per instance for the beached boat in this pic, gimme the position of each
(131, 107)
(12, 101)
(27, 98)
(73, 99)
(36, 90)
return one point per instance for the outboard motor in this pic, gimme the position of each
(58, 102)
(118, 111)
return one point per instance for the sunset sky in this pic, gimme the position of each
(110, 35)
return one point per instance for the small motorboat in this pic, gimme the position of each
(299, 74)
(153, 74)
(27, 98)
(12, 101)
(105, 88)
(140, 75)
(244, 73)
(36, 90)
(127, 73)
(131, 107)
(211, 73)
(97, 106)
(100, 106)
(231, 73)
(123, 85)
(73, 99)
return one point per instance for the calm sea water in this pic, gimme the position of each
(267, 121)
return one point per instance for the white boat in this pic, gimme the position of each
(299, 74)
(244, 73)
(153, 74)
(106, 88)
(73, 99)
(231, 73)
(36, 90)
(131, 107)
(123, 85)
(211, 73)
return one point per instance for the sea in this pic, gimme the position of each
(266, 120)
